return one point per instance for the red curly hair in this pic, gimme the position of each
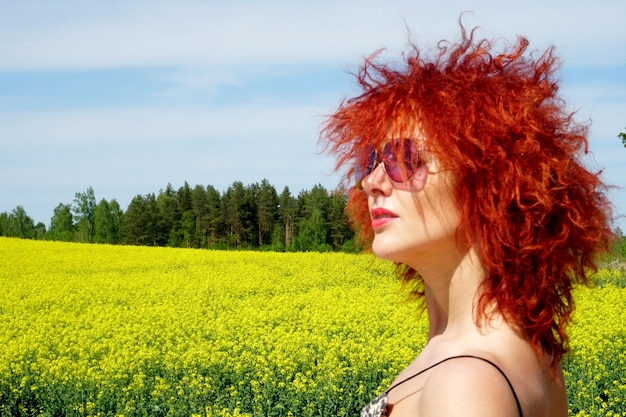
(537, 216)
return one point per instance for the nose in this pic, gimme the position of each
(377, 181)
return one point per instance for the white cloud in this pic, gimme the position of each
(71, 128)
(87, 35)
(193, 81)
(187, 33)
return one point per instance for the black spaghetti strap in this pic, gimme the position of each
(519, 406)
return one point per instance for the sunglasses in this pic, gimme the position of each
(400, 158)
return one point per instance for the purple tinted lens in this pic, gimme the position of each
(362, 171)
(400, 157)
(372, 160)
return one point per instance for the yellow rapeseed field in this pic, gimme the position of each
(96, 330)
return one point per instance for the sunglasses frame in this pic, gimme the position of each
(399, 170)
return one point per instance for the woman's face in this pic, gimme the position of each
(412, 220)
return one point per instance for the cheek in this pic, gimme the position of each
(440, 217)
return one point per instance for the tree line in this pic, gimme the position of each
(250, 216)
(243, 217)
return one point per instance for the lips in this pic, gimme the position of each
(381, 217)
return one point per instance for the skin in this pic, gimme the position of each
(414, 223)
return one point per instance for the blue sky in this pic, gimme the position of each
(128, 96)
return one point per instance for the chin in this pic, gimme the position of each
(387, 251)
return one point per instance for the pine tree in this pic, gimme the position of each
(215, 215)
(287, 211)
(267, 209)
(233, 208)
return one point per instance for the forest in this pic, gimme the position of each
(253, 216)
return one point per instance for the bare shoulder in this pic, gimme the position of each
(470, 387)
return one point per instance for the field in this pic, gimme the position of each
(95, 330)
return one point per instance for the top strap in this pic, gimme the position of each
(519, 406)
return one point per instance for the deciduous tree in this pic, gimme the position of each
(84, 211)
(107, 222)
(61, 224)
(19, 224)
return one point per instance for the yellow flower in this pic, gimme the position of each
(115, 330)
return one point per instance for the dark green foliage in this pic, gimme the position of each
(107, 222)
(243, 217)
(62, 224)
(267, 209)
(287, 211)
(19, 224)
(84, 209)
(142, 222)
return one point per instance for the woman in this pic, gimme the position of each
(468, 177)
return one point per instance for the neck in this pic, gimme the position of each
(451, 288)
